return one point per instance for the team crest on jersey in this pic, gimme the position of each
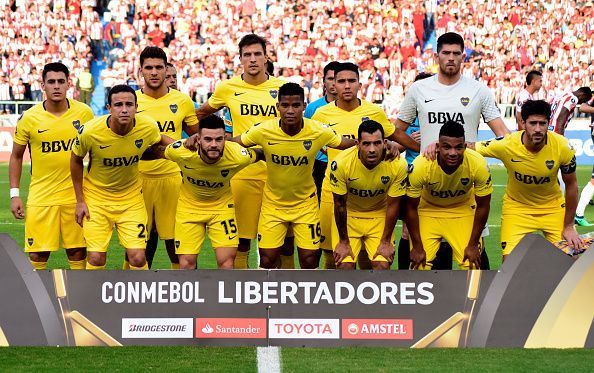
(363, 119)
(30, 241)
(273, 93)
(138, 143)
(224, 173)
(464, 180)
(464, 100)
(176, 144)
(549, 164)
(173, 108)
(177, 243)
(76, 124)
(307, 144)
(333, 166)
(385, 179)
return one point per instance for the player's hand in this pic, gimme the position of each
(430, 151)
(191, 142)
(16, 206)
(416, 135)
(81, 212)
(392, 151)
(418, 258)
(572, 237)
(385, 249)
(342, 251)
(473, 254)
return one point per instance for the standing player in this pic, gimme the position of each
(112, 191)
(533, 85)
(171, 76)
(250, 98)
(448, 96)
(161, 178)
(49, 129)
(533, 199)
(290, 145)
(344, 116)
(321, 162)
(587, 192)
(367, 191)
(448, 198)
(205, 201)
(563, 108)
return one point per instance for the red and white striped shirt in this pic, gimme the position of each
(565, 100)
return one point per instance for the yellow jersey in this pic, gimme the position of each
(50, 140)
(290, 159)
(346, 123)
(367, 189)
(170, 113)
(449, 195)
(112, 177)
(531, 177)
(248, 104)
(207, 186)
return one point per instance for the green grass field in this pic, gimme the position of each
(16, 228)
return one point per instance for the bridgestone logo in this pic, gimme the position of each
(157, 328)
(162, 328)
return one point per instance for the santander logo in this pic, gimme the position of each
(230, 328)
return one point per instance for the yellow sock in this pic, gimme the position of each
(77, 264)
(287, 262)
(38, 266)
(126, 265)
(328, 258)
(91, 267)
(174, 265)
(241, 260)
(143, 268)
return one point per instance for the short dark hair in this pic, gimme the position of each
(211, 122)
(330, 66)
(423, 75)
(56, 67)
(153, 52)
(347, 66)
(452, 128)
(291, 89)
(251, 39)
(536, 107)
(169, 64)
(450, 38)
(120, 88)
(370, 126)
(531, 75)
(269, 67)
(586, 91)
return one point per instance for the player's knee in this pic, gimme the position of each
(187, 262)
(309, 259)
(79, 253)
(380, 266)
(345, 266)
(269, 259)
(96, 258)
(136, 258)
(226, 263)
(41, 256)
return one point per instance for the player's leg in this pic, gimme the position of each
(363, 261)
(356, 233)
(374, 228)
(222, 231)
(151, 247)
(165, 209)
(272, 230)
(150, 194)
(403, 243)
(443, 258)
(319, 171)
(132, 233)
(42, 234)
(225, 257)
(73, 240)
(585, 198)
(326, 225)
(287, 256)
(552, 225)
(513, 228)
(97, 231)
(190, 231)
(431, 232)
(308, 233)
(458, 238)
(247, 196)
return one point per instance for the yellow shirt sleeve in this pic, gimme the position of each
(190, 119)
(170, 151)
(416, 177)
(22, 131)
(80, 147)
(338, 178)
(494, 148)
(333, 139)
(398, 186)
(252, 137)
(483, 185)
(567, 158)
(87, 115)
(155, 135)
(388, 126)
(217, 100)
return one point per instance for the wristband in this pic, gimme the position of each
(14, 192)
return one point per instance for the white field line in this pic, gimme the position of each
(269, 359)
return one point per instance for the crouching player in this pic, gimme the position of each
(367, 191)
(448, 198)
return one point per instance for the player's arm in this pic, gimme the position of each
(406, 115)
(205, 110)
(519, 120)
(498, 127)
(472, 251)
(345, 143)
(343, 248)
(571, 200)
(259, 154)
(561, 120)
(76, 172)
(157, 150)
(586, 109)
(15, 169)
(386, 246)
(402, 138)
(237, 139)
(417, 254)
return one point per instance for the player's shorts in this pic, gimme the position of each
(191, 230)
(275, 224)
(363, 233)
(326, 220)
(45, 225)
(160, 199)
(129, 221)
(247, 197)
(515, 226)
(433, 230)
